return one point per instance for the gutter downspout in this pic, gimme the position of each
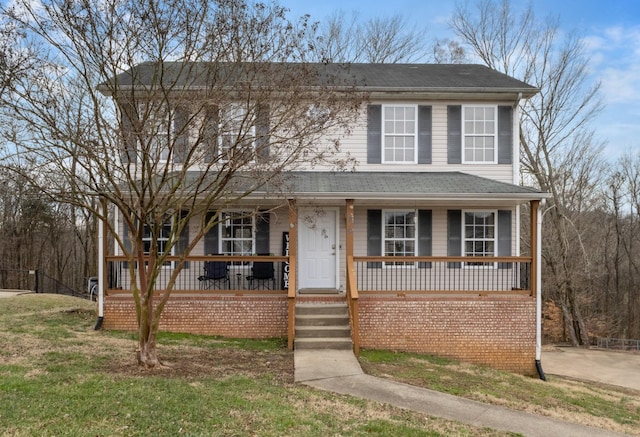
(539, 295)
(101, 283)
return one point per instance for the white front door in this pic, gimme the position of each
(317, 248)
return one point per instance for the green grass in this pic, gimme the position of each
(62, 378)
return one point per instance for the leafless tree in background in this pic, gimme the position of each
(559, 151)
(383, 40)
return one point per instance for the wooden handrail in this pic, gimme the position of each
(465, 259)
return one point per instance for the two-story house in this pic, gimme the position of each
(420, 243)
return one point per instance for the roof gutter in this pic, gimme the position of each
(408, 196)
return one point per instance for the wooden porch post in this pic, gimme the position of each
(293, 256)
(535, 204)
(352, 289)
(349, 227)
(103, 252)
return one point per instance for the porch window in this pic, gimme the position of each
(162, 239)
(479, 134)
(479, 235)
(399, 134)
(399, 235)
(237, 233)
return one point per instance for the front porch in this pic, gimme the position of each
(479, 309)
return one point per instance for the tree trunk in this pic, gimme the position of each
(147, 353)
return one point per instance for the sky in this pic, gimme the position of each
(611, 33)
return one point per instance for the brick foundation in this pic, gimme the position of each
(497, 332)
(228, 316)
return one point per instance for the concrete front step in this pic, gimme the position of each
(323, 343)
(342, 331)
(322, 308)
(321, 320)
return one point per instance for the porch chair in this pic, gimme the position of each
(216, 275)
(262, 274)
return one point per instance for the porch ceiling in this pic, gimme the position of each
(429, 186)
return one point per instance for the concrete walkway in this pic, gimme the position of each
(340, 372)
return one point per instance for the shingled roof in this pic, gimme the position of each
(374, 185)
(434, 78)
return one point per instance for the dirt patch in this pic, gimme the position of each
(193, 363)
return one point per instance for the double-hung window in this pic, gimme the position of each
(399, 134)
(399, 234)
(159, 129)
(161, 239)
(237, 133)
(479, 133)
(237, 233)
(479, 235)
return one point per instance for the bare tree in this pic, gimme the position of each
(448, 51)
(559, 151)
(168, 110)
(383, 40)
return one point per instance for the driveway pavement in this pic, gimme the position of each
(11, 293)
(605, 366)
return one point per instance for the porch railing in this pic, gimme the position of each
(443, 275)
(210, 274)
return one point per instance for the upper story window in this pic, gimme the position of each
(479, 133)
(399, 134)
(159, 130)
(237, 133)
(399, 234)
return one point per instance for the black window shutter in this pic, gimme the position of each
(374, 236)
(210, 133)
(454, 134)
(425, 225)
(211, 246)
(183, 239)
(180, 121)
(374, 134)
(424, 134)
(128, 115)
(262, 133)
(262, 234)
(505, 134)
(454, 235)
(504, 236)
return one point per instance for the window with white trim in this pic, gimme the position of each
(479, 134)
(237, 233)
(237, 133)
(399, 134)
(399, 234)
(479, 235)
(162, 239)
(159, 129)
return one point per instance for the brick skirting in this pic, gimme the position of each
(495, 331)
(228, 316)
